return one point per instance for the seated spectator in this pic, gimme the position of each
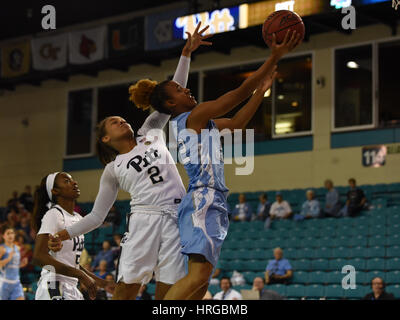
(143, 294)
(278, 270)
(102, 272)
(280, 209)
(24, 225)
(227, 292)
(259, 285)
(109, 289)
(263, 208)
(13, 218)
(310, 208)
(378, 291)
(116, 248)
(26, 198)
(355, 200)
(332, 200)
(243, 211)
(107, 255)
(12, 203)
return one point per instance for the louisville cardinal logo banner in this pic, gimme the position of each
(87, 46)
(15, 59)
(49, 53)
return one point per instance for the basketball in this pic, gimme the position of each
(279, 22)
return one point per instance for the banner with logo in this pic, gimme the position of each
(87, 46)
(159, 30)
(49, 53)
(126, 37)
(15, 59)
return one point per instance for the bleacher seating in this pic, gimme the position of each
(317, 248)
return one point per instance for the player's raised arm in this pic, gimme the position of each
(200, 115)
(243, 116)
(158, 120)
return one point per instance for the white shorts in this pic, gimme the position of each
(152, 244)
(57, 290)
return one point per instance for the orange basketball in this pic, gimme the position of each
(279, 22)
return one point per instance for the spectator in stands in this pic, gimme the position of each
(263, 208)
(227, 292)
(24, 226)
(143, 294)
(332, 201)
(278, 270)
(109, 289)
(243, 211)
(102, 273)
(378, 291)
(355, 200)
(259, 285)
(26, 198)
(280, 209)
(310, 208)
(107, 255)
(113, 218)
(12, 203)
(13, 218)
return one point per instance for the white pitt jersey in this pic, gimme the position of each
(148, 172)
(57, 219)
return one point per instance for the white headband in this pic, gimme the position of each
(50, 184)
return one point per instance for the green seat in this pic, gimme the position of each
(319, 264)
(308, 242)
(333, 277)
(300, 277)
(358, 293)
(262, 244)
(290, 253)
(314, 291)
(393, 264)
(257, 254)
(292, 243)
(226, 254)
(377, 252)
(231, 245)
(317, 277)
(373, 274)
(237, 265)
(362, 278)
(323, 252)
(241, 254)
(393, 252)
(279, 288)
(393, 240)
(302, 264)
(249, 276)
(376, 264)
(377, 229)
(304, 253)
(151, 288)
(333, 291)
(393, 229)
(358, 263)
(254, 265)
(357, 241)
(337, 264)
(295, 291)
(345, 231)
(393, 277)
(214, 289)
(359, 252)
(393, 219)
(341, 252)
(378, 240)
(395, 289)
(257, 225)
(325, 242)
(359, 231)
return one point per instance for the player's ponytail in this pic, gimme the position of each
(104, 152)
(147, 93)
(41, 199)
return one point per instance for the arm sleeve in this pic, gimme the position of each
(52, 222)
(158, 120)
(106, 197)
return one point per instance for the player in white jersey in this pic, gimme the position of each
(143, 167)
(54, 211)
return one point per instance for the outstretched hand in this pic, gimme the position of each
(287, 45)
(195, 40)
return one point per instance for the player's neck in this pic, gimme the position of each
(9, 244)
(67, 205)
(125, 146)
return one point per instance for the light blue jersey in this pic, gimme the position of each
(203, 214)
(11, 287)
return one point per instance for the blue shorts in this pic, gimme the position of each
(11, 291)
(203, 223)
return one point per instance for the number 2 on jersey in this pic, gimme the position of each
(154, 175)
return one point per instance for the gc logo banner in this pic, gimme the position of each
(49, 20)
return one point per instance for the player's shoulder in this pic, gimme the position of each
(52, 213)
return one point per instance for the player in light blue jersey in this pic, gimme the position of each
(10, 263)
(203, 216)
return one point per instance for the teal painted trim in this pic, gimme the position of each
(80, 164)
(365, 137)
